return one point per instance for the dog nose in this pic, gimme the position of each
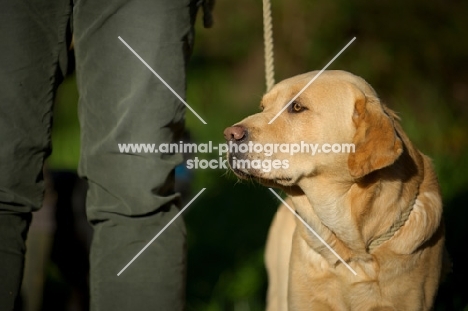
(235, 133)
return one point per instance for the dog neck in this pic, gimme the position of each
(348, 215)
(326, 210)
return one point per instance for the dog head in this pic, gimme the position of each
(338, 114)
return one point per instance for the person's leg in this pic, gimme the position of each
(131, 197)
(32, 34)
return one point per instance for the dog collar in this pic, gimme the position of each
(395, 226)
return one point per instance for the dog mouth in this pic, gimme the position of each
(240, 172)
(256, 174)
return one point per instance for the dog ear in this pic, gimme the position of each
(376, 142)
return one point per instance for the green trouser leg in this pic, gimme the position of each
(131, 196)
(32, 34)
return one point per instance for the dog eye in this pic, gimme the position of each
(295, 107)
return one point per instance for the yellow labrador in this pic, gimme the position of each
(379, 207)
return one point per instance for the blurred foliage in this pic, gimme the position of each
(414, 55)
(66, 128)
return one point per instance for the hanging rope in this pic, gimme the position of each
(268, 45)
